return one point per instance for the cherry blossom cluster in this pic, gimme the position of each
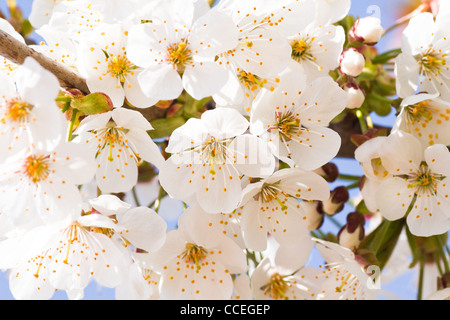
(250, 171)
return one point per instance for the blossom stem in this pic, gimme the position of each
(362, 121)
(135, 196)
(421, 275)
(348, 177)
(71, 124)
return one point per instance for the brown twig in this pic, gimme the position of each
(16, 51)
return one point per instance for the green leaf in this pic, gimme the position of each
(165, 126)
(412, 241)
(383, 239)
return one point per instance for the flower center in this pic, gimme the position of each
(432, 62)
(37, 167)
(424, 181)
(419, 111)
(277, 287)
(301, 49)
(269, 193)
(251, 81)
(119, 66)
(17, 111)
(194, 254)
(215, 151)
(287, 124)
(179, 55)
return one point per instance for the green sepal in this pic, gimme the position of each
(93, 103)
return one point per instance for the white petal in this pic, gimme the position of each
(393, 198)
(223, 123)
(143, 228)
(109, 205)
(204, 79)
(406, 74)
(161, 82)
(253, 156)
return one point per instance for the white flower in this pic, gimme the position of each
(64, 256)
(179, 56)
(282, 274)
(293, 119)
(140, 281)
(422, 65)
(41, 185)
(103, 60)
(261, 51)
(209, 157)
(29, 114)
(352, 62)
(119, 141)
(271, 206)
(141, 227)
(426, 117)
(343, 277)
(317, 48)
(417, 180)
(196, 263)
(367, 30)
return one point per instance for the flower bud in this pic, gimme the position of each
(315, 214)
(355, 95)
(352, 62)
(367, 30)
(351, 235)
(328, 171)
(338, 197)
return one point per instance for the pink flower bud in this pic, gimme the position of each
(367, 30)
(355, 95)
(352, 62)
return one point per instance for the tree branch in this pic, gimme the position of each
(16, 51)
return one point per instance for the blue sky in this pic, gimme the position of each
(385, 10)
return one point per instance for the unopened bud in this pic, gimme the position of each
(367, 30)
(355, 96)
(93, 103)
(351, 235)
(328, 171)
(314, 213)
(338, 197)
(352, 62)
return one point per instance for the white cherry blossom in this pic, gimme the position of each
(179, 55)
(427, 117)
(196, 263)
(422, 65)
(63, 256)
(28, 111)
(103, 60)
(417, 184)
(293, 119)
(272, 206)
(39, 185)
(209, 157)
(119, 142)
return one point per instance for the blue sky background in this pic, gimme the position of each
(385, 9)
